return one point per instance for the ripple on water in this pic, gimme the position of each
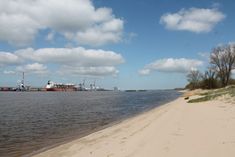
(30, 121)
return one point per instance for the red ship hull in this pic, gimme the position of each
(61, 89)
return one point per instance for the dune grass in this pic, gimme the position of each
(212, 94)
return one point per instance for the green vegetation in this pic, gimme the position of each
(230, 90)
(219, 72)
(217, 77)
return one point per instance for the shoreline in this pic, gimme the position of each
(106, 126)
(172, 129)
(113, 124)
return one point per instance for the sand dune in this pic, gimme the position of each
(176, 129)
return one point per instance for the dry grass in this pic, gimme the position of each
(226, 93)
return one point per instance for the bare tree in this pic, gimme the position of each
(210, 79)
(194, 78)
(223, 61)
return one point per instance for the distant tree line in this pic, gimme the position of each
(218, 74)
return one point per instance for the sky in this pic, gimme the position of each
(129, 44)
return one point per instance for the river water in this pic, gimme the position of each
(31, 121)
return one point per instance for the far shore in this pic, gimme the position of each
(176, 129)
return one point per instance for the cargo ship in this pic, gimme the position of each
(52, 86)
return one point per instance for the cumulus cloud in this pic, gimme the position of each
(7, 58)
(9, 72)
(196, 20)
(71, 56)
(181, 65)
(100, 71)
(35, 68)
(76, 20)
(99, 35)
(76, 61)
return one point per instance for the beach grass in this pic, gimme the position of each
(212, 94)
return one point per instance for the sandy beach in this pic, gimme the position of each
(176, 129)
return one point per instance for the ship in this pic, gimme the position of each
(52, 86)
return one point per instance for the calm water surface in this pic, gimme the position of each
(30, 121)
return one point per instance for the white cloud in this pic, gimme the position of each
(181, 65)
(7, 58)
(194, 19)
(50, 36)
(71, 56)
(75, 61)
(35, 68)
(9, 72)
(17, 29)
(77, 20)
(100, 71)
(144, 71)
(100, 35)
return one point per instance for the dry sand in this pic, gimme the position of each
(176, 129)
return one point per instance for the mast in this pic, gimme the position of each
(23, 79)
(94, 85)
(83, 85)
(22, 84)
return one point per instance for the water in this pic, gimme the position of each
(30, 121)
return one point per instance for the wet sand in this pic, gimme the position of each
(177, 129)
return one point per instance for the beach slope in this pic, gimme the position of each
(177, 129)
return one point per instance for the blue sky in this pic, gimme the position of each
(130, 44)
